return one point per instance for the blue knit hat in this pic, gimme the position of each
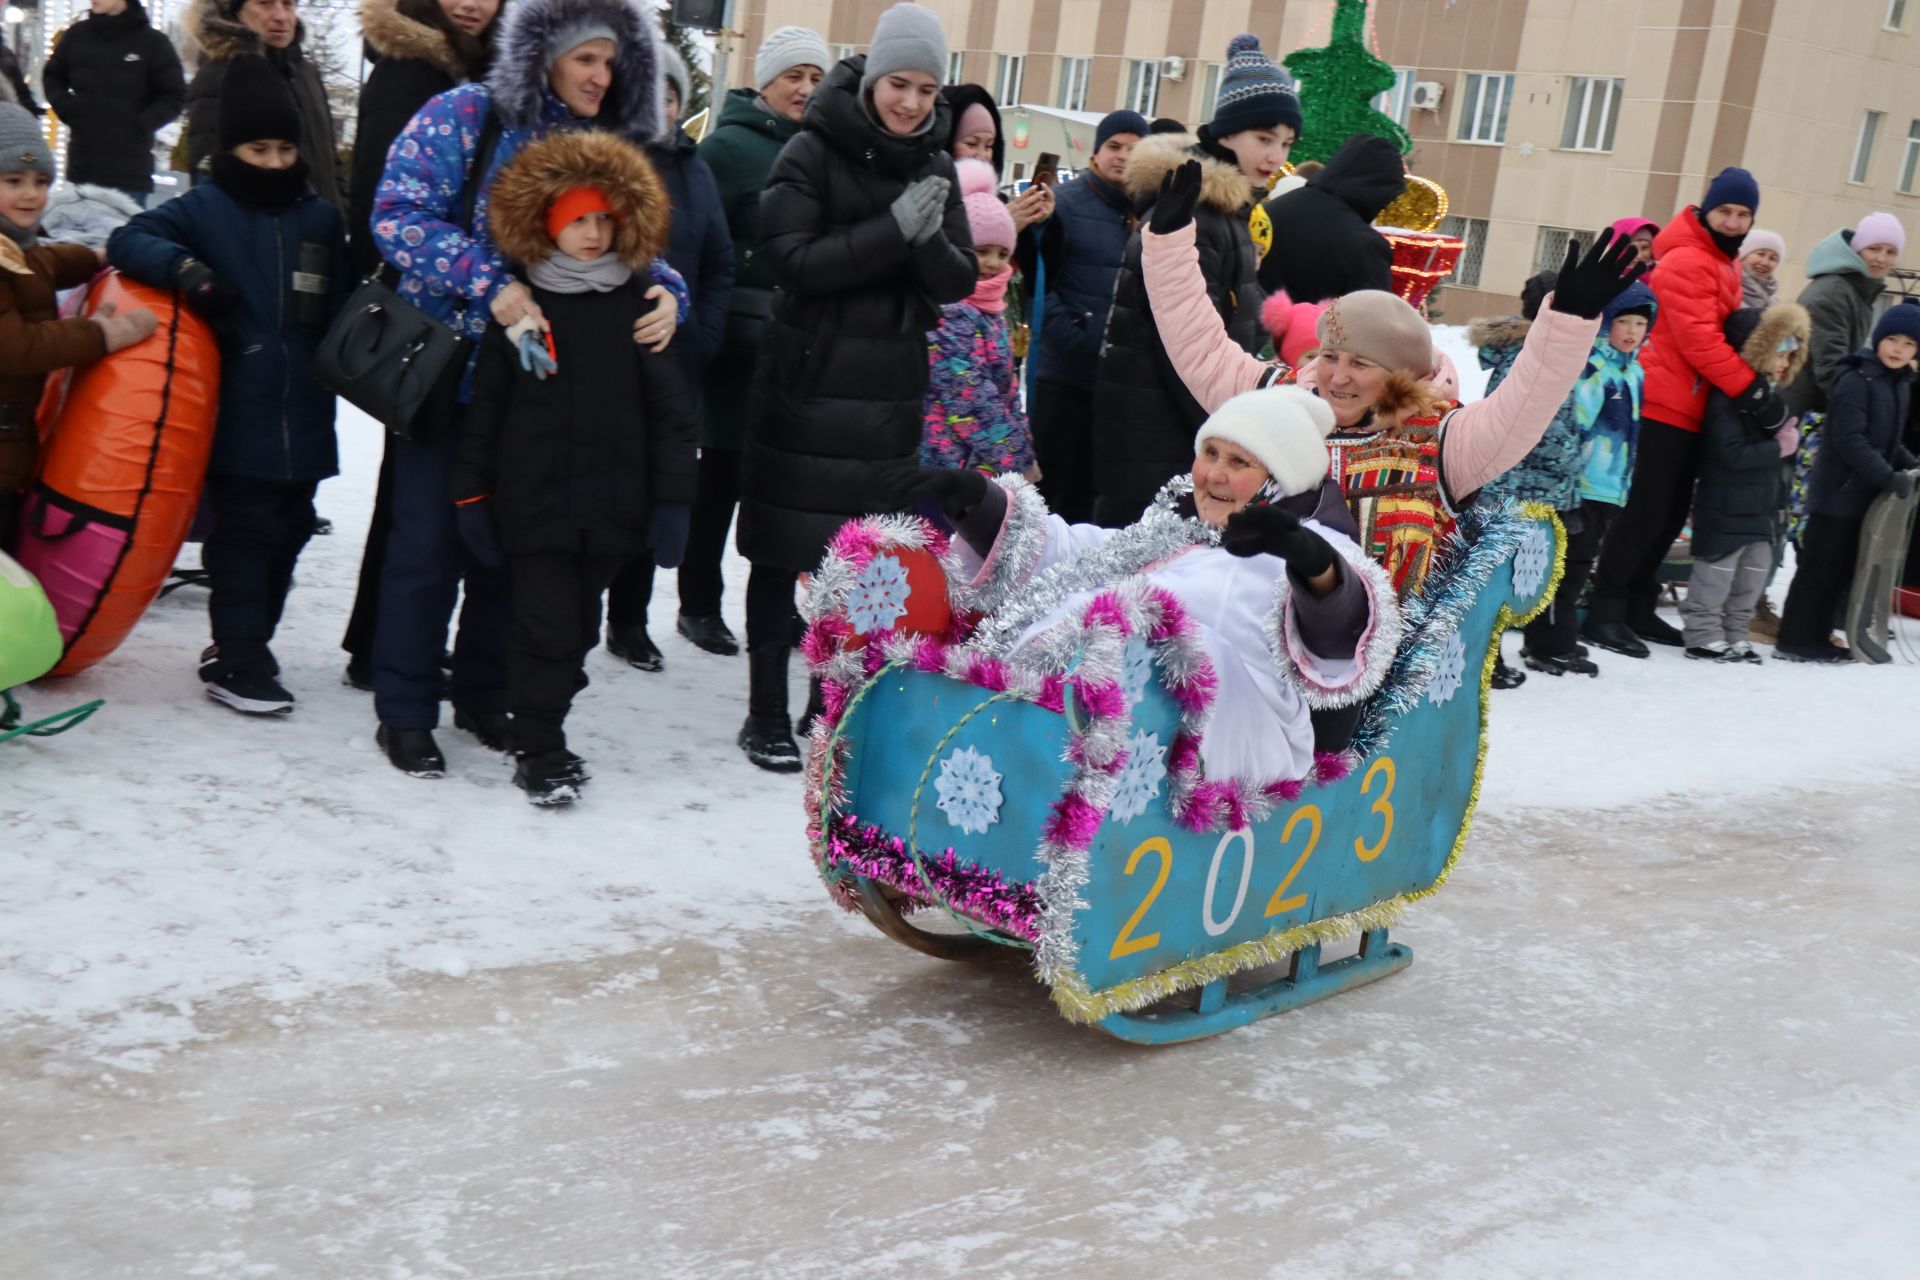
(1901, 319)
(1254, 92)
(1732, 186)
(1119, 122)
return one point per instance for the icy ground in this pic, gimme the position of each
(268, 1008)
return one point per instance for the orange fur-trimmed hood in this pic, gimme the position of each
(570, 158)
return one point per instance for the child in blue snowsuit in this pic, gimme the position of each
(1600, 420)
(264, 260)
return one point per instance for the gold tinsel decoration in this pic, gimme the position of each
(1419, 208)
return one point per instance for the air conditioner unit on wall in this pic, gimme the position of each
(1173, 68)
(1426, 95)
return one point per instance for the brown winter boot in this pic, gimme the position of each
(1766, 623)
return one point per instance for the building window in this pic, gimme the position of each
(1593, 109)
(1009, 79)
(1896, 15)
(1209, 90)
(1143, 86)
(1073, 84)
(1550, 250)
(1910, 162)
(1483, 108)
(1473, 233)
(1397, 103)
(842, 52)
(956, 67)
(1870, 122)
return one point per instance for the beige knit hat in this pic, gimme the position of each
(1381, 327)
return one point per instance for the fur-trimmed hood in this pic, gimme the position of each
(1499, 331)
(1758, 334)
(392, 34)
(635, 105)
(1223, 189)
(221, 37)
(569, 158)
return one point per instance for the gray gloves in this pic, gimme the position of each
(918, 210)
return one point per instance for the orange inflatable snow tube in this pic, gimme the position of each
(124, 454)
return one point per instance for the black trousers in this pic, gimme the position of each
(259, 529)
(358, 640)
(1554, 633)
(701, 583)
(1829, 549)
(556, 621)
(1665, 466)
(1061, 417)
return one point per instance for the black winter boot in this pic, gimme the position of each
(633, 645)
(767, 736)
(709, 632)
(1649, 625)
(550, 778)
(493, 728)
(1606, 626)
(412, 751)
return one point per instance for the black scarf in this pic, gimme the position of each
(266, 188)
(1729, 245)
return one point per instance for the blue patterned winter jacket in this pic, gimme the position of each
(445, 270)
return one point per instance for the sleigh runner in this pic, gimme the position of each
(1057, 803)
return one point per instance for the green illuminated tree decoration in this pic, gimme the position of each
(1337, 86)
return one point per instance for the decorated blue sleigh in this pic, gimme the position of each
(967, 803)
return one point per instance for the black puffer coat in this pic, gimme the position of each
(1324, 240)
(1739, 499)
(412, 62)
(1144, 416)
(1860, 445)
(222, 39)
(843, 371)
(114, 81)
(577, 462)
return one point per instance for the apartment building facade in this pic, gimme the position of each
(1541, 118)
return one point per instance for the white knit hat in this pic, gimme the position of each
(1284, 427)
(788, 47)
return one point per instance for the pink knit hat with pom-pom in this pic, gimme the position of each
(1295, 326)
(991, 222)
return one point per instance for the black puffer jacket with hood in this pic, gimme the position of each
(1144, 415)
(1324, 240)
(843, 371)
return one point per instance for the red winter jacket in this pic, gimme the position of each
(1697, 287)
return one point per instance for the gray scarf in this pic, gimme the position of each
(25, 237)
(561, 273)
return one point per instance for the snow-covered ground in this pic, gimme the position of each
(267, 1007)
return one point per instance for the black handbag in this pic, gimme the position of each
(388, 358)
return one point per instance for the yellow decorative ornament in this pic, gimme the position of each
(1419, 208)
(1260, 227)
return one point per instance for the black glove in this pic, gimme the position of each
(1901, 485)
(1278, 532)
(208, 295)
(1587, 284)
(475, 521)
(667, 533)
(1761, 406)
(957, 492)
(1179, 197)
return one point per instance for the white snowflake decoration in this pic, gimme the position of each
(1136, 668)
(879, 595)
(1446, 676)
(969, 791)
(1533, 561)
(1140, 779)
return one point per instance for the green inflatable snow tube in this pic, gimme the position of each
(29, 634)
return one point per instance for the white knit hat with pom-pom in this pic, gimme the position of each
(1284, 427)
(979, 193)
